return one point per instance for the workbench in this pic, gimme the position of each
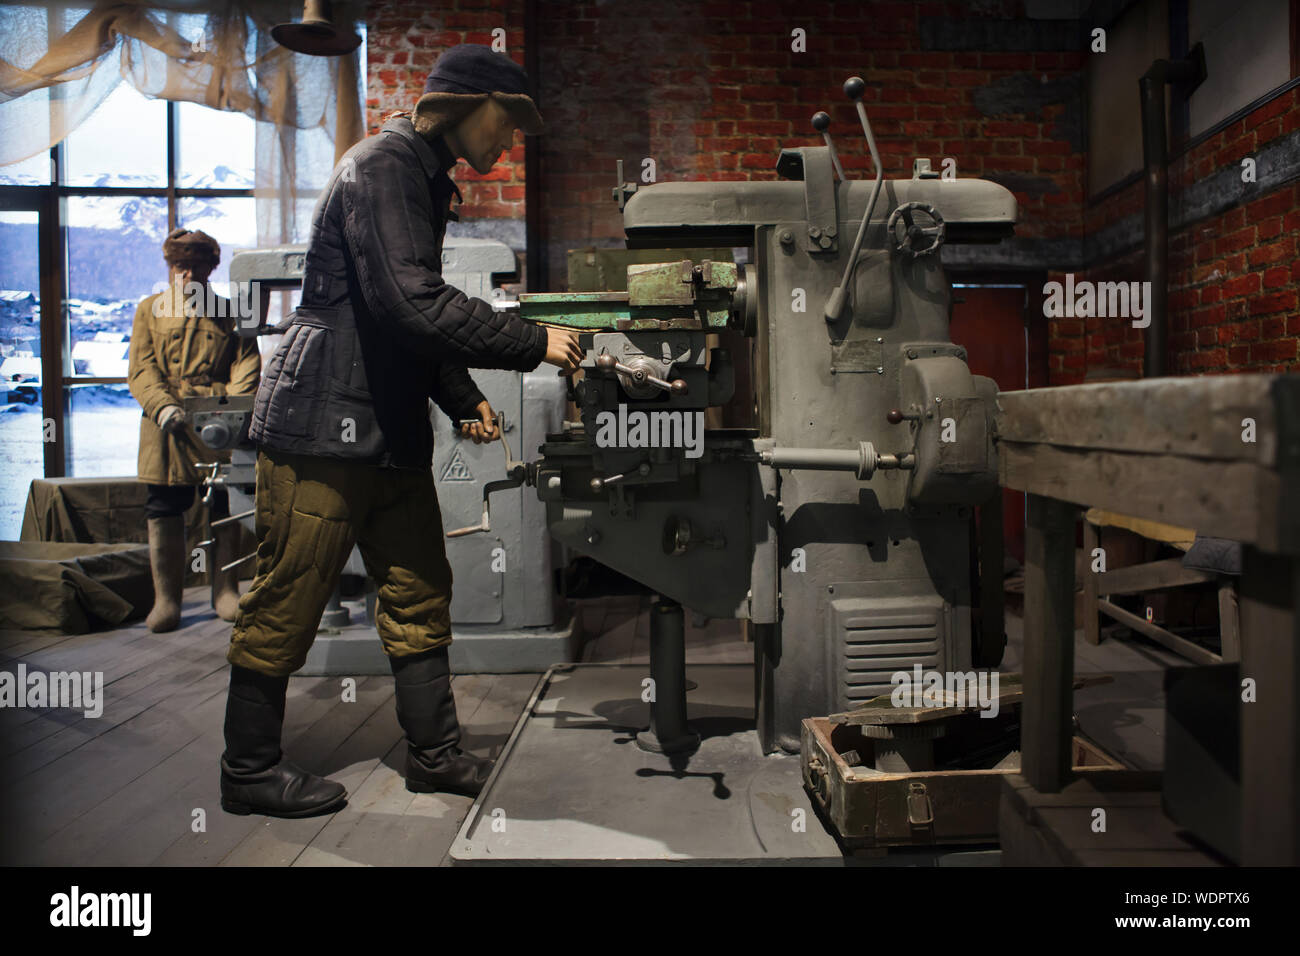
(1220, 454)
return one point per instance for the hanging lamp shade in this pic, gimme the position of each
(317, 34)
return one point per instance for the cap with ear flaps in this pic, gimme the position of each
(464, 78)
(191, 247)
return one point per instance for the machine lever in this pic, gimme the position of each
(486, 524)
(854, 87)
(623, 191)
(599, 484)
(639, 376)
(501, 427)
(231, 518)
(517, 473)
(238, 561)
(821, 123)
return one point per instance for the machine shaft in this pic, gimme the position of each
(669, 732)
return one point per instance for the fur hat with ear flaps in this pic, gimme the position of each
(464, 78)
(184, 247)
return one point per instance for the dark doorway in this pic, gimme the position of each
(991, 320)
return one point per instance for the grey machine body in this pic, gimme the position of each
(849, 571)
(503, 586)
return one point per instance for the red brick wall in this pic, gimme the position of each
(1234, 279)
(713, 91)
(403, 41)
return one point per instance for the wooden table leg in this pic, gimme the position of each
(1048, 708)
(992, 551)
(1091, 616)
(1270, 727)
(1229, 620)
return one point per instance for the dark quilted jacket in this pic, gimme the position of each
(378, 332)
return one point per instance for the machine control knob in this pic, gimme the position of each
(215, 434)
(854, 87)
(639, 377)
(821, 121)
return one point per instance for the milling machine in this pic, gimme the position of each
(842, 526)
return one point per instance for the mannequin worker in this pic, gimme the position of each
(183, 344)
(345, 443)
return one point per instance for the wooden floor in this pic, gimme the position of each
(133, 786)
(1127, 716)
(138, 785)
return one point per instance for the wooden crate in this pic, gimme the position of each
(871, 809)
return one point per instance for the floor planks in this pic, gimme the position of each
(127, 788)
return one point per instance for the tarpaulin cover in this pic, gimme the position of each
(72, 588)
(102, 511)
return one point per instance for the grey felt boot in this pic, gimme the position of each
(167, 562)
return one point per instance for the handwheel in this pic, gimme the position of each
(916, 228)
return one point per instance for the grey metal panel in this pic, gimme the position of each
(764, 578)
(850, 531)
(271, 264)
(521, 595)
(471, 283)
(481, 591)
(677, 204)
(713, 581)
(460, 469)
(877, 629)
(544, 397)
(484, 256)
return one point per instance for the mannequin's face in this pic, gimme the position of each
(482, 136)
(187, 273)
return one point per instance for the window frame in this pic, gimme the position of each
(49, 202)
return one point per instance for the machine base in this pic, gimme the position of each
(571, 786)
(355, 650)
(649, 741)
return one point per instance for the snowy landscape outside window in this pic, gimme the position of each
(114, 259)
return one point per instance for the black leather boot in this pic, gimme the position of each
(426, 710)
(255, 776)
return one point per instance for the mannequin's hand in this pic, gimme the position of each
(171, 419)
(562, 348)
(487, 430)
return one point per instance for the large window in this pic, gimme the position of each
(21, 448)
(81, 233)
(115, 187)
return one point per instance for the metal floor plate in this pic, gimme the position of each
(571, 785)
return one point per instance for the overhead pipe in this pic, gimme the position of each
(1188, 72)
